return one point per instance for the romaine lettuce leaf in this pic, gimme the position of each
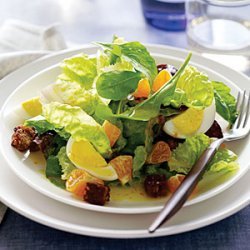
(224, 160)
(74, 94)
(77, 123)
(225, 102)
(187, 153)
(66, 164)
(81, 69)
(193, 89)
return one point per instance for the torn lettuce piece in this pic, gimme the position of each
(80, 68)
(106, 63)
(77, 123)
(138, 133)
(66, 164)
(187, 153)
(53, 171)
(74, 94)
(140, 157)
(225, 102)
(137, 55)
(158, 169)
(193, 89)
(224, 160)
(42, 126)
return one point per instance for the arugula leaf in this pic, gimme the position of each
(53, 171)
(80, 68)
(225, 102)
(139, 160)
(66, 165)
(137, 54)
(117, 85)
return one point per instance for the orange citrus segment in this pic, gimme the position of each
(160, 153)
(143, 89)
(123, 165)
(163, 77)
(112, 131)
(77, 181)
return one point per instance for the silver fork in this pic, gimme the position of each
(239, 130)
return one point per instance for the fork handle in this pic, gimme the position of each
(182, 193)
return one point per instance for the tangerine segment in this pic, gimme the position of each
(78, 180)
(160, 153)
(174, 182)
(163, 77)
(112, 132)
(123, 166)
(143, 89)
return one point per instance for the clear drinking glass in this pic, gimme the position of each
(219, 26)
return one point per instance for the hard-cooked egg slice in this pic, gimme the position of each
(84, 156)
(190, 122)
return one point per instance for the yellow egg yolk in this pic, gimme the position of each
(188, 122)
(83, 154)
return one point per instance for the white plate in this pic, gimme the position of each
(49, 66)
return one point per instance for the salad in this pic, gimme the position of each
(117, 119)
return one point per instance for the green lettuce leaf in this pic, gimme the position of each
(81, 69)
(137, 55)
(138, 133)
(66, 165)
(187, 153)
(117, 85)
(53, 171)
(225, 102)
(106, 63)
(193, 89)
(224, 160)
(158, 169)
(77, 123)
(42, 125)
(139, 160)
(150, 108)
(74, 94)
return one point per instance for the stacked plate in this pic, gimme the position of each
(24, 189)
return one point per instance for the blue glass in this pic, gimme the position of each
(165, 14)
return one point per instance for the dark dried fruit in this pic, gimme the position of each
(215, 131)
(172, 70)
(155, 185)
(96, 194)
(23, 137)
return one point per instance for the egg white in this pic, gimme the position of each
(95, 171)
(207, 121)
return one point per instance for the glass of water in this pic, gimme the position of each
(219, 26)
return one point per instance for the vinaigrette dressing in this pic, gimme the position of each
(136, 193)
